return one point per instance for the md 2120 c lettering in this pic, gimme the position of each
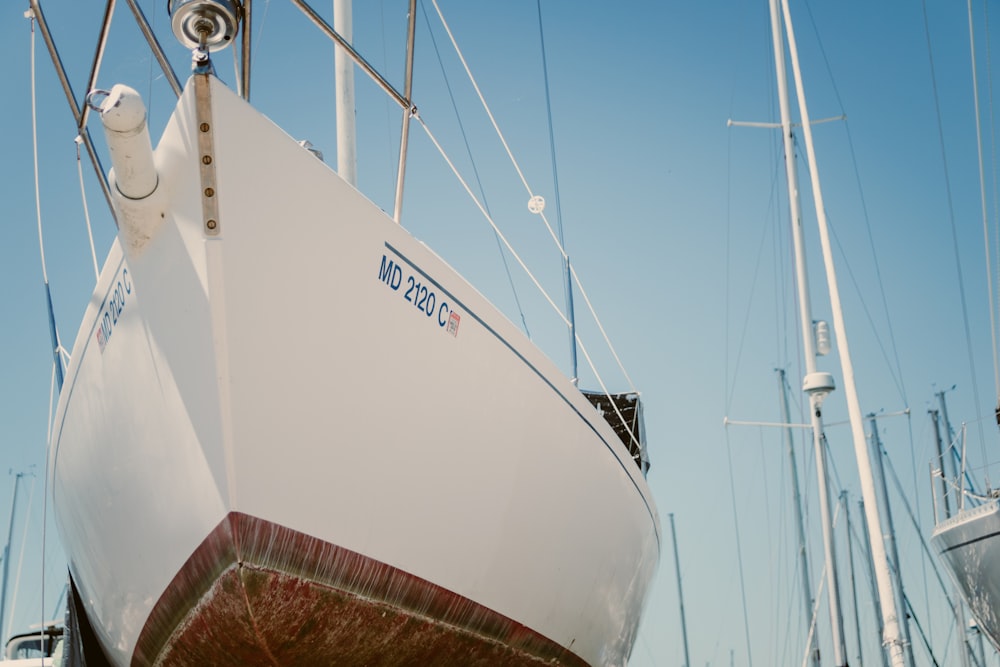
(397, 277)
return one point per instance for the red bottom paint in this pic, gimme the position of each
(255, 593)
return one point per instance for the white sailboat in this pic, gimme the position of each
(384, 470)
(969, 546)
(967, 538)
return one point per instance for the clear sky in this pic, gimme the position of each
(677, 224)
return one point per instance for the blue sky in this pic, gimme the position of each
(676, 223)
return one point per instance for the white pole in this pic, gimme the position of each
(890, 638)
(890, 537)
(816, 384)
(347, 144)
(800, 530)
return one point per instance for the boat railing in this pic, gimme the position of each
(955, 483)
(623, 412)
(81, 110)
(38, 644)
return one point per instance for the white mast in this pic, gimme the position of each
(887, 598)
(883, 492)
(816, 384)
(800, 530)
(850, 566)
(347, 145)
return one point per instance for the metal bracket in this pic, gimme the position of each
(206, 155)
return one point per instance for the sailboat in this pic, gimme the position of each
(382, 470)
(968, 541)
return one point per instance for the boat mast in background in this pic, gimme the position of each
(800, 530)
(891, 635)
(850, 567)
(6, 549)
(680, 592)
(891, 536)
(816, 384)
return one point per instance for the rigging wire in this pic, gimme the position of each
(732, 366)
(489, 218)
(53, 333)
(475, 169)
(996, 197)
(897, 376)
(982, 200)
(86, 210)
(149, 75)
(954, 226)
(57, 374)
(20, 556)
(894, 373)
(391, 159)
(260, 32)
(524, 267)
(552, 136)
(746, 316)
(727, 399)
(919, 522)
(566, 320)
(568, 285)
(600, 327)
(34, 139)
(45, 493)
(496, 126)
(739, 549)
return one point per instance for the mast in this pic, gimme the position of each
(890, 537)
(940, 455)
(891, 635)
(799, 522)
(816, 384)
(680, 593)
(944, 455)
(6, 549)
(876, 603)
(347, 144)
(946, 469)
(850, 568)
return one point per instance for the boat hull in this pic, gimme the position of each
(242, 599)
(309, 374)
(969, 545)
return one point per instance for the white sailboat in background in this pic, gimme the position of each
(387, 472)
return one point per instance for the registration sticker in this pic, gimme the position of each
(453, 320)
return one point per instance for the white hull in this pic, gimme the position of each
(969, 545)
(277, 371)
